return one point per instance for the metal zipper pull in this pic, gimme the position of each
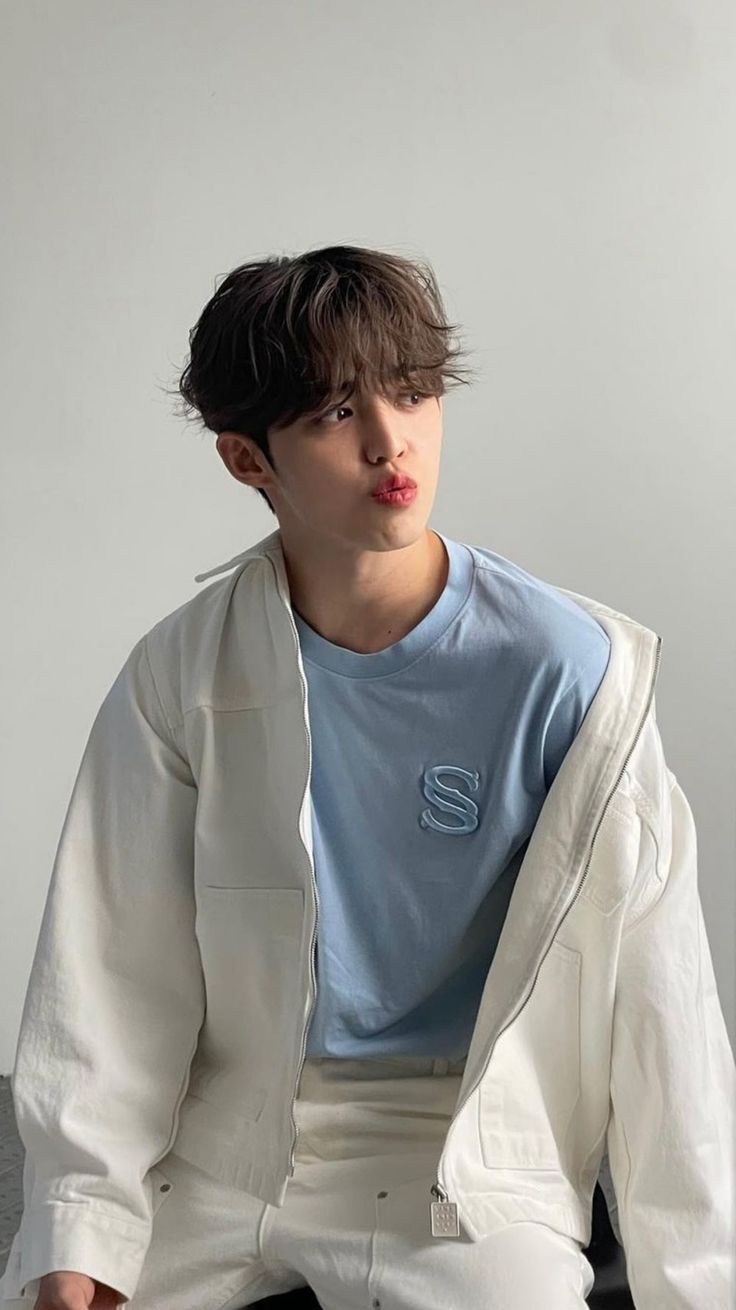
(444, 1220)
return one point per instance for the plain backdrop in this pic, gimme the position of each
(567, 170)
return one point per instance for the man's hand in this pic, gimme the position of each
(67, 1290)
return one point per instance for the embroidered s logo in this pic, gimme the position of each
(461, 805)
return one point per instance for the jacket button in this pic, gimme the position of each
(380, 1195)
(165, 1187)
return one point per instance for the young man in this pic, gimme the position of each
(374, 933)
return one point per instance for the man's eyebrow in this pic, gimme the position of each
(338, 395)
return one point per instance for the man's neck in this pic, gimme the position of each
(368, 614)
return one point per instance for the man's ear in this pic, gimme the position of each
(243, 458)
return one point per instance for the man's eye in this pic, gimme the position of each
(335, 408)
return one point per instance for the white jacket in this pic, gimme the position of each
(173, 980)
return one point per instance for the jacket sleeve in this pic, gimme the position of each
(671, 1136)
(114, 1002)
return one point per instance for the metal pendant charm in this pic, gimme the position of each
(444, 1220)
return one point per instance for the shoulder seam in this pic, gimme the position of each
(162, 707)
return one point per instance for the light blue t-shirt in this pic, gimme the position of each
(431, 760)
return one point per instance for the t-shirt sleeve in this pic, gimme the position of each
(569, 711)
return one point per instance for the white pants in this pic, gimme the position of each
(355, 1222)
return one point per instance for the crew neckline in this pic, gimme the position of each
(317, 650)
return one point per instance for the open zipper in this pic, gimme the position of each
(444, 1217)
(200, 577)
(312, 970)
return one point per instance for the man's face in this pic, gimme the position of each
(326, 465)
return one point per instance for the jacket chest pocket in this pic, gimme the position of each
(528, 1094)
(250, 941)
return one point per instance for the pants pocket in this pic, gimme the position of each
(162, 1187)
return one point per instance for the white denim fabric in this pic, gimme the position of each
(353, 1223)
(173, 980)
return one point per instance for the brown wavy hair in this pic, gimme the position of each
(284, 337)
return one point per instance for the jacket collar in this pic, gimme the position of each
(634, 632)
(270, 545)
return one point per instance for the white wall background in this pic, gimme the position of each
(568, 171)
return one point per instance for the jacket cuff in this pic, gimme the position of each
(64, 1235)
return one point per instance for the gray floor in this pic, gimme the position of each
(11, 1173)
